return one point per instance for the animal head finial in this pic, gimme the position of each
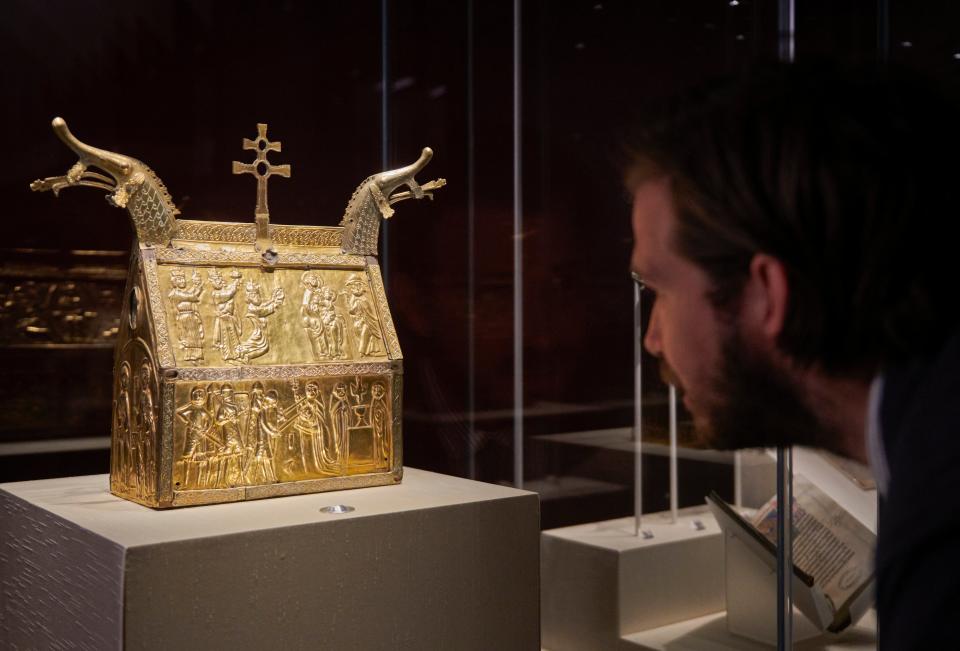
(373, 199)
(124, 178)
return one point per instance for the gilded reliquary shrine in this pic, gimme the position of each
(252, 359)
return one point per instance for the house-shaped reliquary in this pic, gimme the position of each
(253, 359)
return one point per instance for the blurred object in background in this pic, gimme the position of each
(59, 316)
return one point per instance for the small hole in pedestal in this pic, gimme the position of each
(337, 509)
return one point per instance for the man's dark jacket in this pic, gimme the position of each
(918, 542)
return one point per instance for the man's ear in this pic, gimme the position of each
(765, 298)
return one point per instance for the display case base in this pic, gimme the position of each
(601, 582)
(710, 633)
(436, 562)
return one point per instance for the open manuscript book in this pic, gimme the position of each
(832, 553)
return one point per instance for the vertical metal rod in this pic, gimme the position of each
(883, 31)
(517, 258)
(784, 548)
(637, 409)
(738, 479)
(674, 498)
(471, 259)
(385, 130)
(883, 57)
(787, 24)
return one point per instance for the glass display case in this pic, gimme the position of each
(511, 292)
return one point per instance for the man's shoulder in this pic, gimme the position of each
(920, 407)
(918, 586)
(920, 425)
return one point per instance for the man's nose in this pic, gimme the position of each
(651, 339)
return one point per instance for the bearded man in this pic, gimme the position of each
(792, 228)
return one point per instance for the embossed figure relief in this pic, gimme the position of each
(186, 300)
(236, 316)
(256, 342)
(121, 466)
(334, 327)
(226, 326)
(321, 318)
(366, 328)
(267, 420)
(146, 428)
(309, 444)
(340, 419)
(228, 426)
(201, 445)
(379, 415)
(134, 436)
(310, 313)
(249, 433)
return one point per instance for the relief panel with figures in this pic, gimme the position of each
(135, 430)
(253, 432)
(229, 316)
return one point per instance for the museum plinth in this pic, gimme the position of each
(434, 562)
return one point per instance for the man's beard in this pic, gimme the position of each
(756, 404)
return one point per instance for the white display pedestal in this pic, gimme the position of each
(435, 562)
(710, 633)
(600, 582)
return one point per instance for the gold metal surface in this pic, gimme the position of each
(252, 360)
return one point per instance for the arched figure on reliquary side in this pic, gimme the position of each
(121, 460)
(146, 427)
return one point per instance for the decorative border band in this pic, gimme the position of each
(376, 281)
(161, 333)
(284, 372)
(252, 258)
(246, 233)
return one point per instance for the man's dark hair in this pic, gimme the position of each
(847, 177)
